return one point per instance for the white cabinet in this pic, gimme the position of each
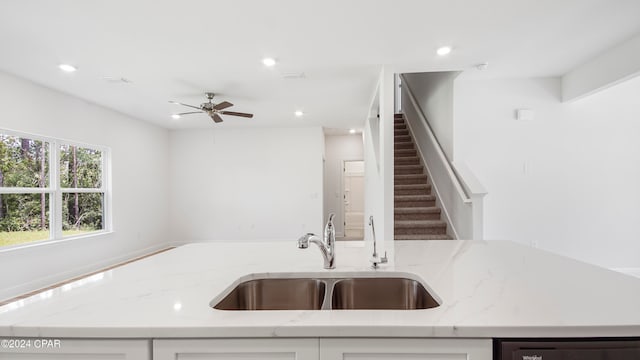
(67, 349)
(236, 349)
(405, 349)
(323, 349)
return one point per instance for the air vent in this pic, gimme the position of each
(294, 76)
(116, 80)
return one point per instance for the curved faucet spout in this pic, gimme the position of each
(326, 245)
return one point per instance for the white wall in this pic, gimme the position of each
(566, 181)
(378, 163)
(338, 148)
(613, 66)
(246, 184)
(139, 168)
(434, 93)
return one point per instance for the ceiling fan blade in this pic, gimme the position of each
(187, 105)
(223, 105)
(190, 112)
(216, 118)
(233, 113)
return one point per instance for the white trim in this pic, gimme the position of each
(23, 190)
(82, 190)
(52, 139)
(55, 220)
(439, 151)
(55, 191)
(343, 207)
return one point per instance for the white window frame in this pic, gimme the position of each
(55, 191)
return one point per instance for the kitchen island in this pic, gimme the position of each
(486, 289)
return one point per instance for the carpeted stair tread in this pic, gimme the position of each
(407, 145)
(408, 169)
(405, 152)
(419, 227)
(410, 166)
(405, 201)
(412, 191)
(412, 187)
(411, 179)
(416, 201)
(402, 138)
(414, 197)
(416, 215)
(420, 223)
(423, 237)
(418, 210)
(412, 176)
(407, 160)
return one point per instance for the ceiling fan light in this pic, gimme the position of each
(175, 116)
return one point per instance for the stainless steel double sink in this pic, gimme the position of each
(350, 292)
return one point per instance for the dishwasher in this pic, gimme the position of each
(567, 349)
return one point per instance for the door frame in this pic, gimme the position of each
(342, 208)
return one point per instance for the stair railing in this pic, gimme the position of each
(458, 191)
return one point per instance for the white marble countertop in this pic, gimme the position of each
(487, 289)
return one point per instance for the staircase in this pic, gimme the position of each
(416, 215)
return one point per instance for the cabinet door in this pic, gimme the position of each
(58, 349)
(405, 349)
(236, 349)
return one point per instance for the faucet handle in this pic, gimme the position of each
(375, 260)
(303, 241)
(331, 216)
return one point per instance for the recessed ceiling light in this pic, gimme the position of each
(67, 68)
(175, 116)
(352, 131)
(269, 62)
(298, 113)
(444, 50)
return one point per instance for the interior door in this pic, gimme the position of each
(353, 196)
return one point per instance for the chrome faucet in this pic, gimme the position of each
(375, 258)
(327, 246)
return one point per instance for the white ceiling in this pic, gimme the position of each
(176, 50)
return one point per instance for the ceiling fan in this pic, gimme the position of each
(213, 110)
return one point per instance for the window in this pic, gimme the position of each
(50, 189)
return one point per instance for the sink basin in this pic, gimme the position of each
(381, 294)
(275, 294)
(363, 291)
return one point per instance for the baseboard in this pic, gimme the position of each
(66, 275)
